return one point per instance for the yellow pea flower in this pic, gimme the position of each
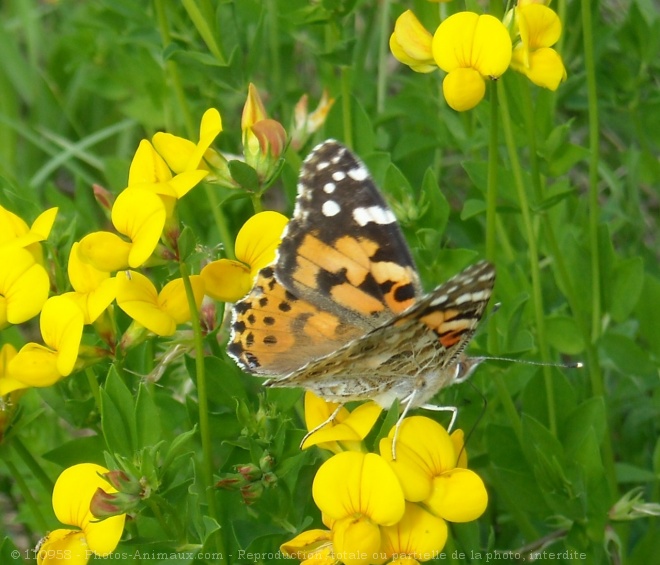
(469, 48)
(7, 383)
(256, 244)
(426, 465)
(160, 312)
(539, 28)
(140, 215)
(94, 290)
(149, 171)
(306, 123)
(35, 365)
(346, 431)
(357, 493)
(24, 285)
(312, 547)
(411, 43)
(418, 536)
(264, 139)
(183, 155)
(72, 495)
(16, 233)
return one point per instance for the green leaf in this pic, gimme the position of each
(118, 415)
(87, 449)
(564, 335)
(587, 416)
(147, 418)
(626, 287)
(473, 207)
(244, 175)
(186, 243)
(438, 208)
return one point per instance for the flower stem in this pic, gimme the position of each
(203, 408)
(528, 229)
(94, 387)
(491, 224)
(383, 50)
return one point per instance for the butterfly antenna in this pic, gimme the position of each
(573, 365)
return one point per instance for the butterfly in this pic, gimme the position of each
(341, 311)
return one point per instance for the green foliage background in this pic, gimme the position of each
(82, 82)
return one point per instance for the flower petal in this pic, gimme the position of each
(72, 496)
(310, 546)
(138, 297)
(84, 277)
(226, 280)
(469, 40)
(458, 496)
(463, 89)
(419, 534)
(356, 540)
(61, 324)
(24, 284)
(259, 238)
(543, 26)
(69, 543)
(411, 43)
(352, 483)
(546, 68)
(172, 298)
(140, 215)
(148, 166)
(34, 365)
(105, 251)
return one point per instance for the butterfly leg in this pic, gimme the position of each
(452, 409)
(408, 404)
(321, 425)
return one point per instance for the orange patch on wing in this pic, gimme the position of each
(330, 259)
(322, 323)
(435, 319)
(355, 299)
(451, 339)
(306, 272)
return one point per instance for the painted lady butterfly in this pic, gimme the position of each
(341, 311)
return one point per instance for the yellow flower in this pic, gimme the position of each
(35, 365)
(533, 56)
(264, 139)
(94, 290)
(7, 383)
(72, 496)
(469, 48)
(158, 312)
(346, 431)
(312, 547)
(256, 243)
(15, 232)
(140, 215)
(426, 465)
(182, 155)
(150, 172)
(357, 493)
(411, 43)
(24, 285)
(418, 536)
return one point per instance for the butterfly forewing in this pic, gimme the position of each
(343, 250)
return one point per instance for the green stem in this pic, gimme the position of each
(32, 464)
(256, 203)
(275, 70)
(383, 50)
(597, 384)
(533, 253)
(42, 523)
(594, 211)
(203, 408)
(94, 387)
(491, 240)
(346, 106)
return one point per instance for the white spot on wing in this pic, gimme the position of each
(329, 187)
(375, 214)
(358, 174)
(322, 165)
(338, 175)
(330, 208)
